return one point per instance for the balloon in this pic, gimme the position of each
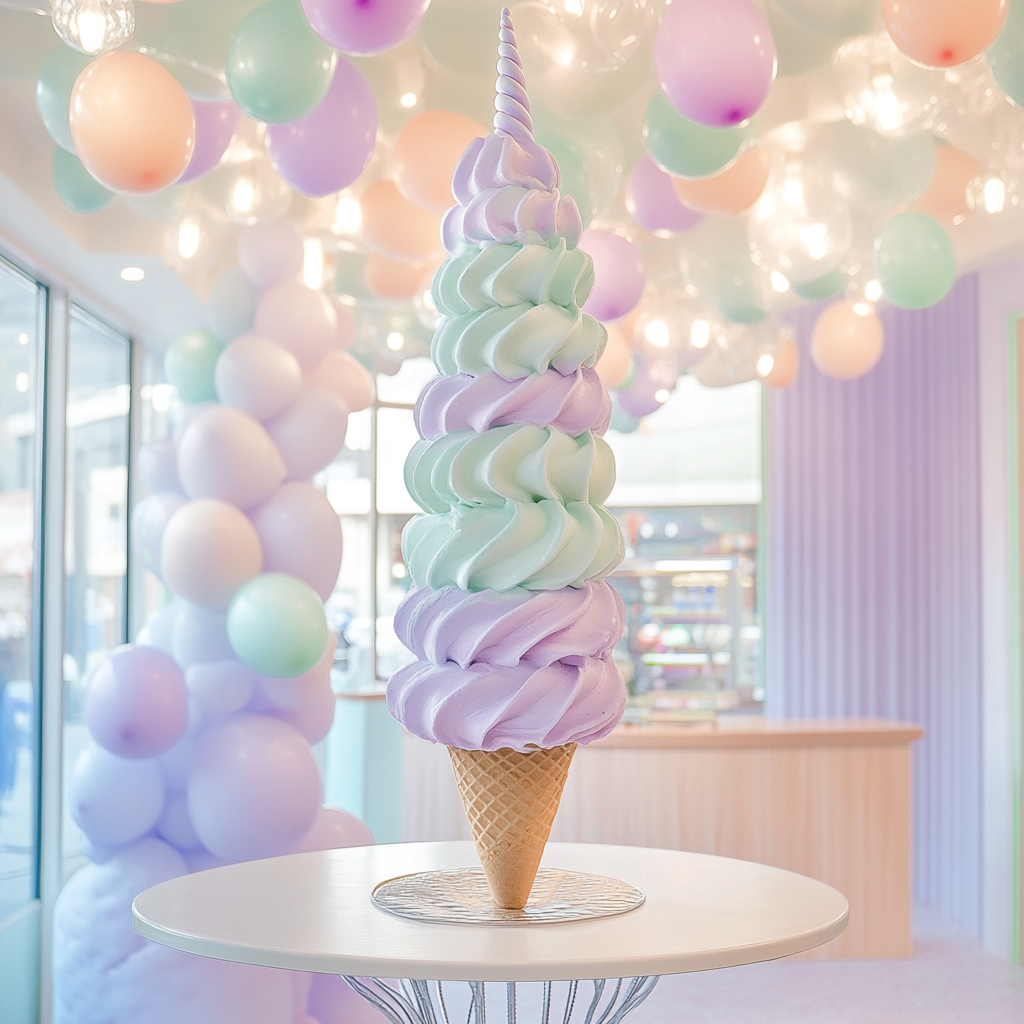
(943, 33)
(301, 691)
(395, 228)
(714, 61)
(276, 624)
(335, 829)
(177, 763)
(226, 454)
(232, 305)
(391, 280)
(189, 365)
(672, 326)
(731, 191)
(1005, 57)
(149, 520)
(158, 629)
(310, 433)
(800, 48)
(136, 704)
(615, 361)
(651, 387)
(653, 203)
(824, 287)
(836, 17)
(175, 826)
(300, 534)
(361, 27)
(220, 687)
(300, 319)
(209, 550)
(945, 198)
(785, 365)
(257, 376)
(270, 253)
(619, 274)
(278, 69)
(915, 262)
(57, 78)
(77, 189)
(425, 154)
(844, 344)
(684, 147)
(254, 789)
(345, 377)
(114, 800)
(315, 719)
(215, 128)
(329, 147)
(131, 123)
(573, 172)
(200, 636)
(725, 276)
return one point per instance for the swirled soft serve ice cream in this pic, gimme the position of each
(509, 616)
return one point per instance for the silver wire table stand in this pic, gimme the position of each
(407, 1001)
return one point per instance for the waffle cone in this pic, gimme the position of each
(510, 800)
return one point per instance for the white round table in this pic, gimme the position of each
(313, 912)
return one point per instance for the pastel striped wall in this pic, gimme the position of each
(873, 541)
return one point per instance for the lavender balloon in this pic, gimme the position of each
(653, 202)
(329, 147)
(650, 389)
(619, 274)
(216, 124)
(715, 61)
(364, 27)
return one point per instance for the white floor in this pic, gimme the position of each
(949, 980)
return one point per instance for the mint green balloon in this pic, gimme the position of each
(1006, 54)
(77, 188)
(822, 287)
(56, 79)
(189, 365)
(915, 262)
(687, 149)
(276, 625)
(278, 68)
(572, 165)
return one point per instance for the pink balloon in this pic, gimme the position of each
(257, 376)
(314, 720)
(653, 203)
(216, 124)
(300, 319)
(364, 27)
(136, 703)
(619, 274)
(226, 454)
(270, 253)
(715, 60)
(254, 788)
(335, 829)
(344, 376)
(301, 535)
(329, 147)
(309, 434)
(298, 692)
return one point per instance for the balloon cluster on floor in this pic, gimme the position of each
(201, 731)
(731, 158)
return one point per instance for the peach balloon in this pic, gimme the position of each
(613, 366)
(389, 279)
(844, 344)
(425, 155)
(942, 33)
(785, 366)
(344, 376)
(131, 123)
(945, 199)
(394, 228)
(732, 191)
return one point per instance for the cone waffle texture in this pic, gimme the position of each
(510, 800)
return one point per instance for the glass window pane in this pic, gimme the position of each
(21, 318)
(96, 521)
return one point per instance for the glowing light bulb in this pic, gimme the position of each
(190, 237)
(395, 341)
(348, 216)
(656, 332)
(815, 238)
(93, 26)
(765, 364)
(779, 282)
(700, 334)
(994, 195)
(873, 290)
(662, 395)
(243, 195)
(863, 308)
(132, 274)
(23, 338)
(408, 99)
(313, 263)
(793, 189)
(21, 382)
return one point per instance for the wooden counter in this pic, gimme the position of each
(829, 799)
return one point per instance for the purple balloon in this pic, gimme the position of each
(715, 61)
(216, 124)
(653, 202)
(619, 274)
(363, 27)
(328, 148)
(136, 704)
(335, 829)
(649, 390)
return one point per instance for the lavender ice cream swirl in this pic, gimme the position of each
(509, 618)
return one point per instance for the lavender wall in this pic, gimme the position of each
(873, 522)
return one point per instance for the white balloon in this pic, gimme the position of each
(257, 376)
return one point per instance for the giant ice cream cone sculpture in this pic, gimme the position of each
(509, 617)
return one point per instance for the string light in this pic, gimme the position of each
(190, 237)
(765, 364)
(93, 26)
(395, 341)
(313, 263)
